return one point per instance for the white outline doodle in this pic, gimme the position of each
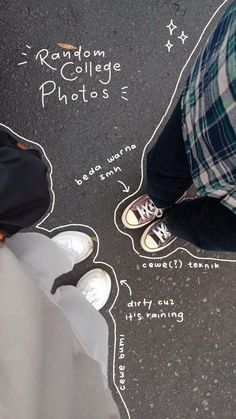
(115, 212)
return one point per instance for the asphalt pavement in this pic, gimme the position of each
(93, 83)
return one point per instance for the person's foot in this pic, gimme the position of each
(77, 245)
(140, 212)
(156, 237)
(95, 285)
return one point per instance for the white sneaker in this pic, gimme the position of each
(78, 245)
(95, 285)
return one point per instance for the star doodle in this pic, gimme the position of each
(169, 45)
(183, 37)
(171, 26)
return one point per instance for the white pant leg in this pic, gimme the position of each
(39, 253)
(48, 261)
(87, 320)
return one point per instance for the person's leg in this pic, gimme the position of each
(168, 173)
(85, 319)
(205, 222)
(48, 261)
(41, 255)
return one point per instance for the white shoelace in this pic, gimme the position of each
(161, 232)
(148, 209)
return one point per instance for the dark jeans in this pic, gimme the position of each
(204, 221)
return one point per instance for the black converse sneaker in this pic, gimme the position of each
(142, 211)
(156, 237)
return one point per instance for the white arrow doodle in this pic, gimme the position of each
(127, 188)
(124, 282)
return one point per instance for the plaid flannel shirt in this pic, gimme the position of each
(209, 114)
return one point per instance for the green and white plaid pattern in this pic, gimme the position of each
(209, 114)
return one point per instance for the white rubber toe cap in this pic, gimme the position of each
(95, 285)
(78, 245)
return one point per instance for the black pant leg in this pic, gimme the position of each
(205, 222)
(168, 173)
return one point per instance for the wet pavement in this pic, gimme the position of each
(93, 83)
